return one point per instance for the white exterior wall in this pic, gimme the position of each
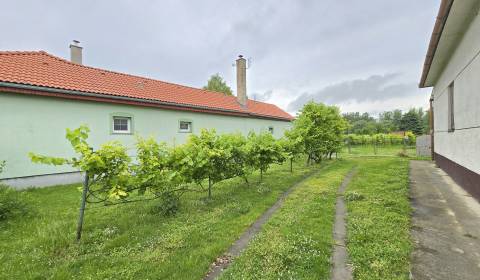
(37, 124)
(463, 145)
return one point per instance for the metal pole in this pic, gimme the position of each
(82, 207)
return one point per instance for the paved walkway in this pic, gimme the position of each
(340, 268)
(217, 268)
(445, 226)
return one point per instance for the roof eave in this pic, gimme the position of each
(442, 17)
(107, 97)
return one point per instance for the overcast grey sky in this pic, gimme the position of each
(362, 55)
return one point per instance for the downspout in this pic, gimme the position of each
(432, 128)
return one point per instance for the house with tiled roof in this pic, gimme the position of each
(41, 95)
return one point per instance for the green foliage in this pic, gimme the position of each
(262, 151)
(203, 158)
(107, 167)
(415, 120)
(12, 203)
(237, 163)
(412, 121)
(380, 139)
(216, 83)
(2, 165)
(321, 128)
(153, 171)
(168, 206)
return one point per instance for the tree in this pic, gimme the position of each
(411, 121)
(361, 123)
(216, 83)
(426, 122)
(262, 151)
(321, 128)
(292, 145)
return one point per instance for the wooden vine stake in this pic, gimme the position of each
(82, 207)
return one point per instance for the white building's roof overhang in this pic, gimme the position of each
(452, 21)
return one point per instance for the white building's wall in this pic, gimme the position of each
(463, 145)
(37, 124)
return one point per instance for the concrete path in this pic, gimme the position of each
(340, 268)
(445, 226)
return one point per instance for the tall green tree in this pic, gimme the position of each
(321, 127)
(216, 83)
(411, 121)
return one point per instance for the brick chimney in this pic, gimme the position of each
(76, 52)
(242, 81)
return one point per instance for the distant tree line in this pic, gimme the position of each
(415, 120)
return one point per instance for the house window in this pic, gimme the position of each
(122, 125)
(270, 129)
(185, 126)
(451, 108)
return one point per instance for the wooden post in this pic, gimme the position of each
(209, 187)
(82, 207)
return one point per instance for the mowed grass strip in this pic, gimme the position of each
(297, 241)
(381, 150)
(133, 241)
(378, 221)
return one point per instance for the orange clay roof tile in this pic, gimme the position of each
(38, 68)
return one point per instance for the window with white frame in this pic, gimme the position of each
(122, 125)
(270, 129)
(185, 126)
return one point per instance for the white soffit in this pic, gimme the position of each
(461, 15)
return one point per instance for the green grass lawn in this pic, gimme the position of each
(297, 242)
(382, 150)
(132, 241)
(378, 222)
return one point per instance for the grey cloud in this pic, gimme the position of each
(295, 45)
(373, 88)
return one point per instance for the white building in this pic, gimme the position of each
(452, 68)
(41, 95)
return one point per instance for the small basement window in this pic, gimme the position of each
(270, 129)
(185, 126)
(122, 125)
(451, 108)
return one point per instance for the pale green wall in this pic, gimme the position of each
(37, 124)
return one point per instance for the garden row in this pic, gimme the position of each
(380, 139)
(159, 171)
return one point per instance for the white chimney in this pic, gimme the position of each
(242, 81)
(76, 52)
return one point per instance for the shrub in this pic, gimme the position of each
(12, 203)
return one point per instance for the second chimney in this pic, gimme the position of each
(242, 81)
(75, 52)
